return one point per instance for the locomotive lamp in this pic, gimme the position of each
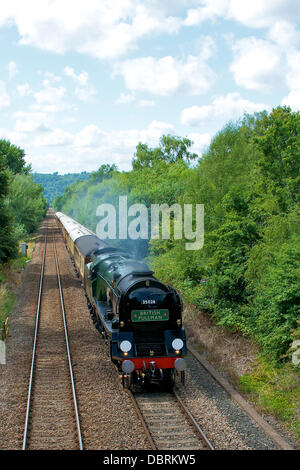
(177, 344)
(125, 346)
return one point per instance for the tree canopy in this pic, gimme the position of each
(22, 205)
(14, 157)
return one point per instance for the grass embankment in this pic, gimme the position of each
(275, 390)
(10, 279)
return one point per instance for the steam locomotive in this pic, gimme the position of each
(138, 315)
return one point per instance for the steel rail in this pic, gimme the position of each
(34, 343)
(68, 348)
(143, 422)
(194, 422)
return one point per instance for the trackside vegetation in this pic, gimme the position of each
(247, 275)
(22, 207)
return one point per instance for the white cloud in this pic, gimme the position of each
(50, 98)
(103, 29)
(292, 100)
(257, 64)
(80, 78)
(293, 80)
(51, 160)
(39, 118)
(51, 76)
(4, 96)
(200, 142)
(259, 14)
(265, 64)
(32, 121)
(58, 150)
(251, 13)
(284, 34)
(84, 91)
(24, 90)
(50, 148)
(108, 30)
(145, 103)
(49, 94)
(127, 98)
(169, 76)
(18, 138)
(90, 136)
(12, 69)
(293, 67)
(55, 137)
(222, 109)
(207, 10)
(93, 136)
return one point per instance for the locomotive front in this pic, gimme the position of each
(140, 316)
(150, 342)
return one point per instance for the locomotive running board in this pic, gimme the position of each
(102, 309)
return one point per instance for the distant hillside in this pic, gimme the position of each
(55, 184)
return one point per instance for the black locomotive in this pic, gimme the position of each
(139, 316)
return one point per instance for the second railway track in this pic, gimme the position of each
(52, 419)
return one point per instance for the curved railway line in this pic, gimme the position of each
(52, 418)
(168, 423)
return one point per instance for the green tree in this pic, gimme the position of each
(25, 202)
(8, 245)
(171, 149)
(105, 171)
(14, 157)
(277, 135)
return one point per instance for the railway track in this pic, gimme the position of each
(168, 423)
(52, 418)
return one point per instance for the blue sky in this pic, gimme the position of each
(82, 83)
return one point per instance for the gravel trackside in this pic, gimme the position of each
(226, 425)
